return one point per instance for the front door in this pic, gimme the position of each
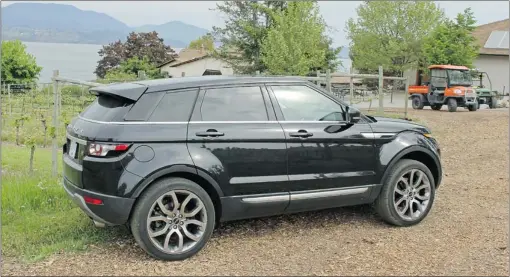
(326, 155)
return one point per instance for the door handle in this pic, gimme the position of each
(209, 133)
(300, 134)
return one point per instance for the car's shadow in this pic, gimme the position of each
(362, 214)
(321, 218)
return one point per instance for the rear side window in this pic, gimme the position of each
(107, 108)
(175, 106)
(234, 104)
(144, 106)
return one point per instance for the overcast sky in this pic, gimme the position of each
(199, 13)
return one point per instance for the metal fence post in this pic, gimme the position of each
(9, 98)
(406, 97)
(328, 80)
(351, 86)
(54, 164)
(381, 96)
(141, 75)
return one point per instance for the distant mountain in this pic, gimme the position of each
(67, 24)
(176, 33)
(58, 17)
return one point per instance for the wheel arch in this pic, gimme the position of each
(187, 172)
(419, 154)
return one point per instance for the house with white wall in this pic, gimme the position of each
(193, 62)
(493, 57)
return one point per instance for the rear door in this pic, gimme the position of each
(234, 136)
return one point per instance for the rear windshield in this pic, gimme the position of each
(107, 108)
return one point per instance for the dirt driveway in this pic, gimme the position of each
(466, 232)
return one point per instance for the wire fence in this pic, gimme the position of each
(372, 93)
(38, 114)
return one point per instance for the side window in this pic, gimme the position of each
(234, 104)
(175, 106)
(144, 106)
(438, 78)
(301, 103)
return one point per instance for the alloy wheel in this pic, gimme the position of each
(412, 193)
(176, 221)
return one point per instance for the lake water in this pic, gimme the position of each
(78, 61)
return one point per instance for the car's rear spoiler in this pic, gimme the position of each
(129, 91)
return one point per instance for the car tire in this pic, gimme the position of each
(175, 220)
(473, 108)
(387, 204)
(452, 105)
(418, 102)
(436, 107)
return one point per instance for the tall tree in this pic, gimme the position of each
(205, 42)
(452, 42)
(295, 43)
(391, 33)
(139, 45)
(18, 66)
(246, 25)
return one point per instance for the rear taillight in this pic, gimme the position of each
(93, 201)
(102, 149)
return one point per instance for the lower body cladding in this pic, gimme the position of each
(107, 211)
(113, 210)
(261, 205)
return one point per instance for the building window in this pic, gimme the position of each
(211, 72)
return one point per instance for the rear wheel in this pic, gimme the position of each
(494, 102)
(418, 103)
(173, 219)
(452, 104)
(436, 107)
(407, 195)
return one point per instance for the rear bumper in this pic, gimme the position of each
(113, 211)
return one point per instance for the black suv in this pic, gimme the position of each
(170, 158)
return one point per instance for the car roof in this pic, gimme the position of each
(190, 82)
(448, 66)
(133, 90)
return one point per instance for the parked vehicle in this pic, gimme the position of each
(449, 85)
(171, 158)
(485, 94)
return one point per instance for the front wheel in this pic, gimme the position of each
(418, 103)
(173, 219)
(407, 195)
(473, 107)
(452, 104)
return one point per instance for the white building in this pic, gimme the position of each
(493, 57)
(192, 63)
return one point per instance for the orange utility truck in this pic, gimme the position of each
(449, 85)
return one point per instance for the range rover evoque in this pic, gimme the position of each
(170, 158)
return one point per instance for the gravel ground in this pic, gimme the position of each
(466, 232)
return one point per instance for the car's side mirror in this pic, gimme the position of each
(353, 115)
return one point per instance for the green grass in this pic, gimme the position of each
(38, 219)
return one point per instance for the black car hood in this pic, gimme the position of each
(386, 124)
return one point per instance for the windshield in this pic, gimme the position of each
(460, 78)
